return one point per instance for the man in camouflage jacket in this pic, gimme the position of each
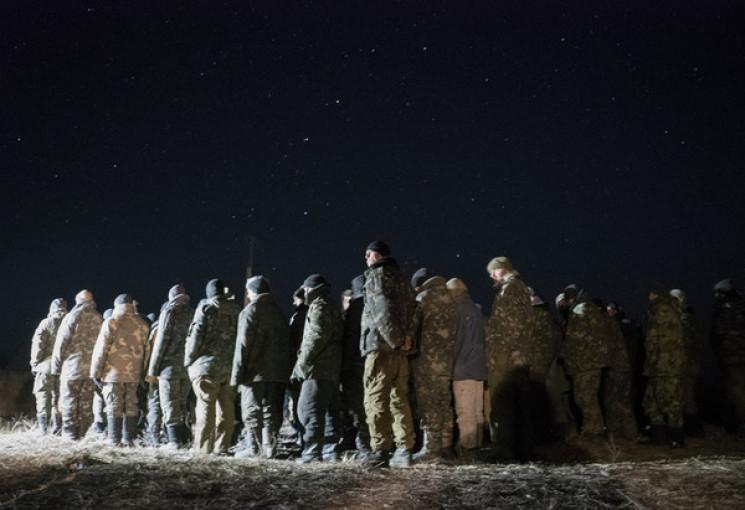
(728, 342)
(691, 418)
(71, 360)
(166, 366)
(586, 354)
(385, 343)
(46, 385)
(261, 367)
(510, 334)
(208, 356)
(118, 365)
(318, 367)
(435, 326)
(664, 366)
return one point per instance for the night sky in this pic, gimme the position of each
(142, 146)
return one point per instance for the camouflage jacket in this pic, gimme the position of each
(586, 340)
(389, 308)
(76, 337)
(511, 326)
(618, 354)
(728, 330)
(210, 342)
(262, 348)
(121, 347)
(42, 344)
(546, 341)
(435, 327)
(167, 358)
(319, 356)
(665, 348)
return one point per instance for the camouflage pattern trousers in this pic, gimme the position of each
(121, 399)
(46, 392)
(619, 412)
(587, 398)
(469, 410)
(76, 406)
(173, 395)
(434, 410)
(386, 381)
(215, 415)
(663, 401)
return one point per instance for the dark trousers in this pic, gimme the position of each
(261, 409)
(317, 417)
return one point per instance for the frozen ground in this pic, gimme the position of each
(49, 472)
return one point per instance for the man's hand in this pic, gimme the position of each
(151, 379)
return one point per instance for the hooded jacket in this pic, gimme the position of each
(121, 347)
(42, 343)
(75, 340)
(319, 356)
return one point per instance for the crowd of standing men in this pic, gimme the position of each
(406, 366)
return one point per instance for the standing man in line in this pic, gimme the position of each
(318, 367)
(71, 360)
(261, 368)
(118, 365)
(208, 357)
(166, 367)
(385, 342)
(46, 385)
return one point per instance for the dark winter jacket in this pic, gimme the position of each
(352, 361)
(470, 353)
(319, 356)
(211, 340)
(262, 349)
(167, 358)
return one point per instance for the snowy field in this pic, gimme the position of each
(49, 472)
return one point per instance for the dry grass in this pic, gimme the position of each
(49, 472)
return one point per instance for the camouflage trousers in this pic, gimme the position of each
(734, 379)
(99, 406)
(434, 410)
(215, 415)
(469, 411)
(46, 392)
(663, 401)
(587, 398)
(121, 399)
(386, 382)
(261, 410)
(173, 395)
(154, 414)
(76, 406)
(619, 413)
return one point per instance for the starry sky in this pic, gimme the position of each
(143, 145)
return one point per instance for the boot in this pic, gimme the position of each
(56, 424)
(376, 459)
(677, 437)
(114, 430)
(250, 449)
(129, 433)
(693, 425)
(401, 458)
(41, 419)
(173, 439)
(70, 430)
(267, 443)
(430, 450)
(99, 429)
(184, 435)
(658, 434)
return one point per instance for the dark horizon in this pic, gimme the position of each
(143, 146)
